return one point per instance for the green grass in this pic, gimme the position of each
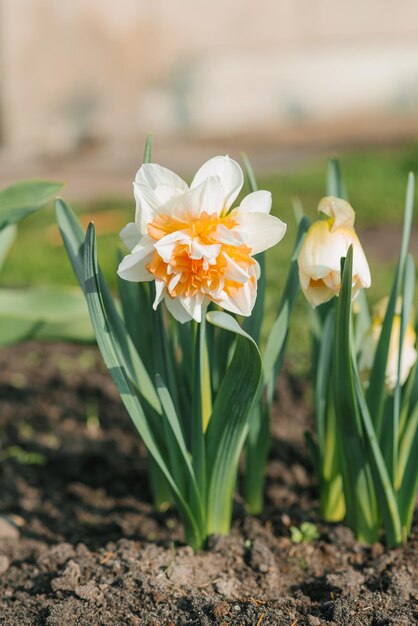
(376, 183)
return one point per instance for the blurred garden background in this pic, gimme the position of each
(289, 83)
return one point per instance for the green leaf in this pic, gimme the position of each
(359, 491)
(136, 304)
(228, 425)
(385, 493)
(7, 238)
(409, 485)
(253, 323)
(258, 441)
(391, 432)
(323, 374)
(50, 313)
(21, 199)
(274, 352)
(73, 238)
(148, 149)
(335, 183)
(256, 455)
(362, 320)
(180, 461)
(376, 390)
(14, 331)
(112, 352)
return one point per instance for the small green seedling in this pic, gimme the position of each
(306, 533)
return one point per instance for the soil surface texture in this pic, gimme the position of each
(80, 543)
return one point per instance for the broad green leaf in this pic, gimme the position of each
(7, 238)
(51, 312)
(14, 331)
(21, 199)
(228, 425)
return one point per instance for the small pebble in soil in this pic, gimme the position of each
(4, 563)
(314, 621)
(8, 530)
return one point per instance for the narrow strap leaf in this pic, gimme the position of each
(112, 353)
(228, 425)
(358, 485)
(73, 237)
(335, 183)
(180, 462)
(148, 149)
(376, 390)
(274, 352)
(253, 323)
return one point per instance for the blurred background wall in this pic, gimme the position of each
(96, 75)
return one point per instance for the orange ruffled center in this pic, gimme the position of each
(186, 276)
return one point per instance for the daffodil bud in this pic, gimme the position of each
(371, 339)
(326, 242)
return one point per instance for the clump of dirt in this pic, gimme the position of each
(80, 543)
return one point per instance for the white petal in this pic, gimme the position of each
(209, 252)
(341, 212)
(256, 202)
(242, 302)
(165, 246)
(174, 281)
(229, 173)
(229, 237)
(177, 310)
(318, 295)
(152, 196)
(262, 231)
(208, 197)
(322, 250)
(360, 265)
(144, 244)
(147, 206)
(234, 272)
(154, 176)
(194, 305)
(132, 267)
(130, 235)
(159, 292)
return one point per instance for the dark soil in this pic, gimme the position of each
(83, 546)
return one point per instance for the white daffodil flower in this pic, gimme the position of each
(371, 339)
(326, 242)
(191, 242)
